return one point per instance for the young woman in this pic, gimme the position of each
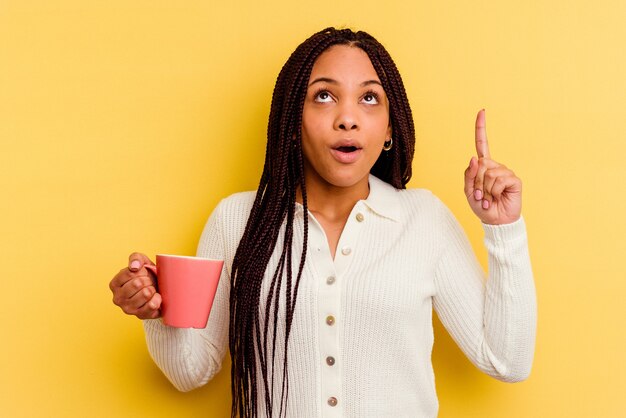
(332, 267)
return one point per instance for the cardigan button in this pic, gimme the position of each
(330, 320)
(330, 360)
(330, 280)
(346, 250)
(360, 217)
(332, 401)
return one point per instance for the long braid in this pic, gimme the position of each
(275, 205)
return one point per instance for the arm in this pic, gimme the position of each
(191, 357)
(493, 322)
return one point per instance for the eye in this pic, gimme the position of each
(323, 96)
(370, 97)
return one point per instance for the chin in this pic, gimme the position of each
(345, 181)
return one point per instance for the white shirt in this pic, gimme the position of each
(362, 335)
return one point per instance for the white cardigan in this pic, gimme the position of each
(362, 335)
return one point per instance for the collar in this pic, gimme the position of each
(382, 200)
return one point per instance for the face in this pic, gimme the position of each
(345, 119)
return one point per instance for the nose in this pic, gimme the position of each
(346, 118)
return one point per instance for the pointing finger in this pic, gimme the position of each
(482, 147)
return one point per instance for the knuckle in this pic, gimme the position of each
(145, 312)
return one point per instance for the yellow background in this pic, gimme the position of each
(122, 124)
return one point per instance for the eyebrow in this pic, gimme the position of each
(331, 81)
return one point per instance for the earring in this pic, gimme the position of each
(388, 144)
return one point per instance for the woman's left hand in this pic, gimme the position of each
(493, 191)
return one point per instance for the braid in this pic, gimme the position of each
(275, 205)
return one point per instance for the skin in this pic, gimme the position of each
(345, 105)
(492, 190)
(339, 107)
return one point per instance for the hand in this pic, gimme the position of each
(493, 191)
(134, 289)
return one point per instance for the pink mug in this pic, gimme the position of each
(187, 286)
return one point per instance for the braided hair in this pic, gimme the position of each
(275, 205)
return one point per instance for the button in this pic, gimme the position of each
(330, 320)
(330, 360)
(330, 280)
(346, 250)
(360, 217)
(332, 401)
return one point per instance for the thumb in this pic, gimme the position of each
(470, 175)
(137, 260)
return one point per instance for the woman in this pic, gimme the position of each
(332, 268)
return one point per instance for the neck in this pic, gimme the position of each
(332, 202)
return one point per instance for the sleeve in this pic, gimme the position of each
(493, 321)
(191, 357)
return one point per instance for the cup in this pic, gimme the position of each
(187, 286)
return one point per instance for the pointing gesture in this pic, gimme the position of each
(493, 191)
(482, 146)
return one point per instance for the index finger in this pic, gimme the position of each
(482, 146)
(121, 279)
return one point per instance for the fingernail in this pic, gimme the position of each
(478, 194)
(135, 264)
(485, 204)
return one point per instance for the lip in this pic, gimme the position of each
(343, 156)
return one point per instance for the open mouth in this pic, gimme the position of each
(347, 149)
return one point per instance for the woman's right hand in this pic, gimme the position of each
(134, 289)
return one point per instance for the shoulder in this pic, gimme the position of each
(227, 222)
(236, 204)
(402, 204)
(421, 200)
(418, 194)
(231, 213)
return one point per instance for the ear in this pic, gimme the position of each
(389, 132)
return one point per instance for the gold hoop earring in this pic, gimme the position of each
(388, 144)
